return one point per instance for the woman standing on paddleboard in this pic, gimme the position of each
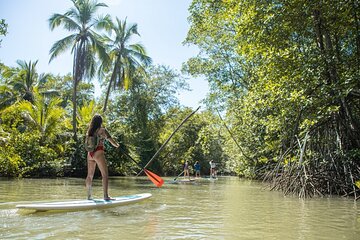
(97, 157)
(186, 169)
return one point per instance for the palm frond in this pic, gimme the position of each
(85, 113)
(130, 31)
(90, 66)
(61, 46)
(139, 52)
(101, 5)
(63, 19)
(101, 50)
(43, 78)
(44, 115)
(103, 22)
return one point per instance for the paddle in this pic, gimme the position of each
(179, 175)
(162, 146)
(158, 181)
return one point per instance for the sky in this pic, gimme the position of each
(162, 25)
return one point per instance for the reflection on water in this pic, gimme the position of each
(229, 208)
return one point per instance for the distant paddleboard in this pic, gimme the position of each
(184, 180)
(212, 179)
(84, 204)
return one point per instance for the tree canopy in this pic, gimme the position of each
(287, 72)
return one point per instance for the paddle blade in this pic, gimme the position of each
(158, 181)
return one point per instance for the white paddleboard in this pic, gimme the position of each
(184, 181)
(84, 204)
(212, 179)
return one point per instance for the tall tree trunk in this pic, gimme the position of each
(74, 109)
(76, 76)
(78, 73)
(112, 80)
(320, 41)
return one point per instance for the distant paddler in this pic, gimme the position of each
(186, 169)
(197, 169)
(212, 169)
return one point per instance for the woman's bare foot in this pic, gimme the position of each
(109, 198)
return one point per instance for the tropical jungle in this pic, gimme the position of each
(283, 106)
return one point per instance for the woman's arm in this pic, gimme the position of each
(110, 139)
(113, 142)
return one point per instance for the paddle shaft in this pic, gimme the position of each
(179, 175)
(158, 181)
(162, 146)
(127, 155)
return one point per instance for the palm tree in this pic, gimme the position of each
(43, 114)
(125, 57)
(84, 41)
(25, 78)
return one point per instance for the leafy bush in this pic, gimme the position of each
(10, 162)
(38, 160)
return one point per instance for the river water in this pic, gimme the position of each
(228, 208)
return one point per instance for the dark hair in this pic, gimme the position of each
(95, 124)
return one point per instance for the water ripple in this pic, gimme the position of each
(229, 208)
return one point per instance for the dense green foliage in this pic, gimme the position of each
(44, 118)
(288, 74)
(36, 136)
(284, 104)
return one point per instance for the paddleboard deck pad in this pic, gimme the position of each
(85, 204)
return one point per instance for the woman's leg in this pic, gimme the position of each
(91, 165)
(102, 164)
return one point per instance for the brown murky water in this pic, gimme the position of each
(228, 208)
